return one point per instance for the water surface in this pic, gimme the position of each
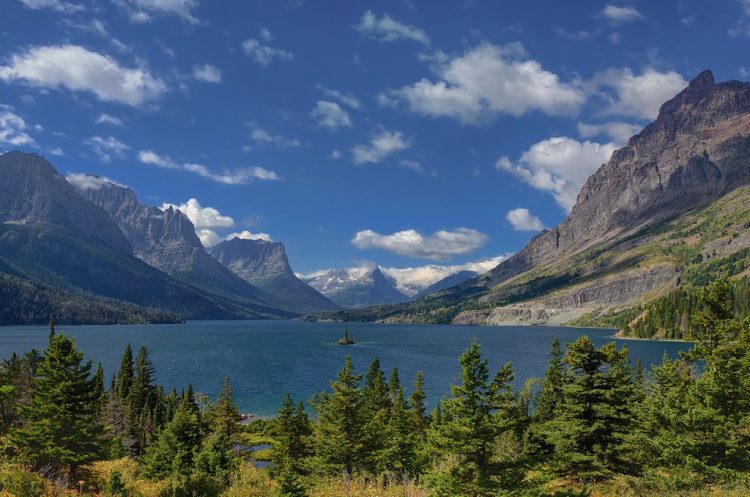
(265, 359)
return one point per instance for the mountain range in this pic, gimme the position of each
(674, 202)
(88, 251)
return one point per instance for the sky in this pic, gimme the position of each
(422, 136)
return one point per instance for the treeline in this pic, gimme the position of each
(25, 302)
(671, 316)
(594, 422)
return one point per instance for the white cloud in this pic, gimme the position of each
(78, 69)
(208, 219)
(638, 96)
(201, 217)
(84, 181)
(247, 235)
(558, 165)
(489, 80)
(207, 73)
(107, 147)
(381, 145)
(330, 115)
(105, 118)
(344, 98)
(139, 9)
(621, 14)
(57, 151)
(388, 29)
(440, 245)
(618, 132)
(265, 34)
(227, 176)
(260, 135)
(412, 280)
(523, 220)
(13, 128)
(335, 154)
(263, 54)
(57, 5)
(412, 164)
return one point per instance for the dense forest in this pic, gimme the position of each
(595, 424)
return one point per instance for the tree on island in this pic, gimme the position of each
(347, 339)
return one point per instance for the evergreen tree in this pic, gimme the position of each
(225, 415)
(125, 375)
(60, 429)
(215, 458)
(475, 416)
(291, 434)
(173, 452)
(550, 395)
(140, 403)
(417, 398)
(399, 444)
(595, 414)
(99, 393)
(339, 432)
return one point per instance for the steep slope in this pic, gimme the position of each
(447, 282)
(623, 240)
(356, 289)
(265, 265)
(166, 240)
(50, 235)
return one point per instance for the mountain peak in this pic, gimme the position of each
(703, 80)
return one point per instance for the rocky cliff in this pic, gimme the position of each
(265, 265)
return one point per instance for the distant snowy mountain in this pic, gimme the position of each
(358, 287)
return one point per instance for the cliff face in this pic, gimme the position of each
(166, 240)
(265, 265)
(33, 192)
(695, 151)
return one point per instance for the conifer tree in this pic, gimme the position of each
(416, 400)
(339, 432)
(292, 432)
(550, 395)
(225, 415)
(60, 429)
(125, 375)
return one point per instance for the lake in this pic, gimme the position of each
(265, 359)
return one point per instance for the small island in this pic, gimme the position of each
(347, 339)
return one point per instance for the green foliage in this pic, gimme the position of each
(60, 429)
(115, 486)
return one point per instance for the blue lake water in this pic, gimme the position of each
(265, 359)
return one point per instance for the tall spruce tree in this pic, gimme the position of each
(225, 414)
(339, 431)
(291, 433)
(60, 429)
(418, 409)
(475, 416)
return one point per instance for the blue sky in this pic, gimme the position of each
(394, 132)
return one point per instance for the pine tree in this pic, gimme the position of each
(214, 458)
(173, 452)
(125, 375)
(225, 415)
(399, 444)
(595, 414)
(417, 398)
(550, 395)
(99, 393)
(339, 432)
(375, 409)
(140, 403)
(60, 428)
(291, 430)
(476, 414)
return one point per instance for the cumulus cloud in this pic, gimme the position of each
(345, 98)
(442, 244)
(523, 220)
(558, 165)
(621, 14)
(388, 29)
(248, 235)
(638, 96)
(105, 118)
(264, 54)
(207, 73)
(84, 181)
(107, 147)
(78, 69)
(382, 144)
(227, 176)
(412, 280)
(330, 115)
(207, 220)
(486, 81)
(260, 135)
(618, 132)
(13, 128)
(140, 10)
(56, 5)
